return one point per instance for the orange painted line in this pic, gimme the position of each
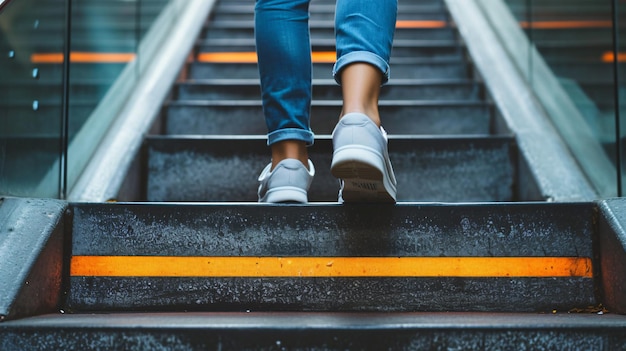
(166, 266)
(251, 57)
(324, 56)
(228, 57)
(609, 57)
(46, 58)
(566, 24)
(421, 24)
(84, 57)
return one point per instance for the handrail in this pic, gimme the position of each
(104, 174)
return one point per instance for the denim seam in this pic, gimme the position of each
(361, 56)
(291, 134)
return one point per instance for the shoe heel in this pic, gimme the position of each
(286, 194)
(362, 173)
(357, 163)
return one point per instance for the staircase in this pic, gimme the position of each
(445, 145)
(466, 260)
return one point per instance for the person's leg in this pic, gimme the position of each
(361, 87)
(284, 57)
(364, 36)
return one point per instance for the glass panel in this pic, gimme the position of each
(575, 40)
(111, 43)
(570, 67)
(31, 97)
(104, 40)
(107, 44)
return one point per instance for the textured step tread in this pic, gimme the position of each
(327, 231)
(450, 68)
(468, 331)
(401, 47)
(399, 89)
(399, 116)
(428, 169)
(328, 321)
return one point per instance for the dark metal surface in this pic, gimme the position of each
(442, 294)
(241, 117)
(31, 256)
(306, 331)
(408, 68)
(449, 90)
(513, 229)
(612, 247)
(323, 28)
(432, 230)
(427, 169)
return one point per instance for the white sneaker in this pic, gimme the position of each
(361, 161)
(288, 182)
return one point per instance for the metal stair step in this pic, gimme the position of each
(399, 117)
(524, 257)
(328, 89)
(313, 331)
(319, 10)
(448, 69)
(225, 168)
(221, 29)
(401, 48)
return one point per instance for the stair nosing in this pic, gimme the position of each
(324, 321)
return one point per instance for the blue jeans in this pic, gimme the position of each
(364, 33)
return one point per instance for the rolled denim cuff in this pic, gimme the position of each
(291, 134)
(361, 56)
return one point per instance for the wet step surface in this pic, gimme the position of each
(419, 117)
(411, 257)
(305, 331)
(427, 169)
(328, 89)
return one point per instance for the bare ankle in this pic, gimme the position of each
(360, 83)
(285, 149)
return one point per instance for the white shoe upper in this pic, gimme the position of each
(289, 181)
(361, 160)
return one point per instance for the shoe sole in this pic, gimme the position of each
(284, 194)
(363, 173)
